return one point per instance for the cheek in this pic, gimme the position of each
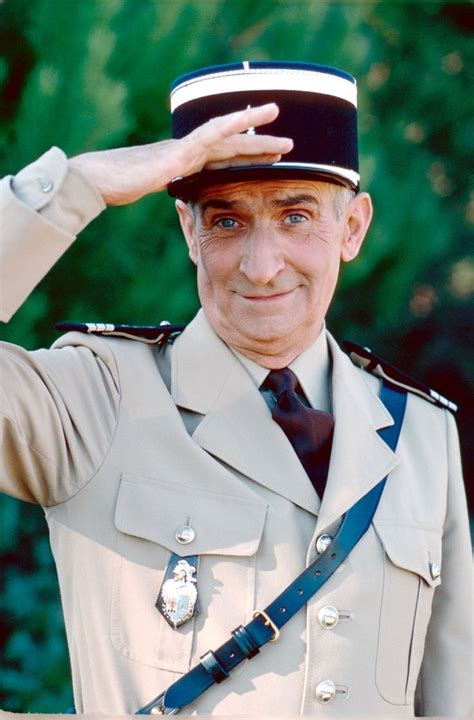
(329, 272)
(217, 261)
(317, 261)
(315, 258)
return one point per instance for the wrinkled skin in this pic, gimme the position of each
(268, 255)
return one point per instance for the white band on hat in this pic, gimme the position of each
(248, 80)
(350, 175)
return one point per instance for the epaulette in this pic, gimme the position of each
(151, 334)
(367, 360)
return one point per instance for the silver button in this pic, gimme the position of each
(45, 184)
(185, 535)
(323, 542)
(325, 692)
(328, 617)
(435, 570)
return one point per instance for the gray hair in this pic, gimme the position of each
(341, 197)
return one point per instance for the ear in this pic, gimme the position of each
(187, 221)
(358, 217)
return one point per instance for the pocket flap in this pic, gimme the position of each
(413, 548)
(155, 510)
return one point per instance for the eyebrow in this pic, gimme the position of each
(288, 201)
(298, 199)
(217, 204)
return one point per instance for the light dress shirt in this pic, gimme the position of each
(312, 368)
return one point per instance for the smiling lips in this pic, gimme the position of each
(267, 298)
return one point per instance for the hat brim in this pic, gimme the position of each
(188, 188)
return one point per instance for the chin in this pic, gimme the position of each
(266, 331)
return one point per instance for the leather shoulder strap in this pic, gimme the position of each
(375, 365)
(150, 334)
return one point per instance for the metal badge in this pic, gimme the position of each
(178, 597)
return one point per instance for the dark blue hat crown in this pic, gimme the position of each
(318, 110)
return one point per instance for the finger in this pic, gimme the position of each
(249, 145)
(242, 120)
(224, 126)
(243, 160)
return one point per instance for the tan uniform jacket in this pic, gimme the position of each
(124, 443)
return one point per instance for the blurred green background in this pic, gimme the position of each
(95, 74)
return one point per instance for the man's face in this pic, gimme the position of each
(268, 256)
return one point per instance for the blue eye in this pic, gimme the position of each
(227, 222)
(295, 218)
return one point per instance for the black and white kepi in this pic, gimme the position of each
(318, 110)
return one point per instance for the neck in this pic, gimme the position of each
(274, 357)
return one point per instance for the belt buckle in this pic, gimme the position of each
(268, 622)
(156, 707)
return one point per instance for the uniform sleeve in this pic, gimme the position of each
(41, 211)
(58, 413)
(445, 684)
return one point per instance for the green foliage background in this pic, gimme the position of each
(95, 74)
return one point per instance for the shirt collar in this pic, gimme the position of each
(312, 368)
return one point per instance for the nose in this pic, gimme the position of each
(262, 258)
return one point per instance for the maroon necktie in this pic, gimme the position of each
(309, 431)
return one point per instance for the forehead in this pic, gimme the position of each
(265, 192)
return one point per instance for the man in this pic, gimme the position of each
(147, 454)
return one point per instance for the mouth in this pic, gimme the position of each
(268, 298)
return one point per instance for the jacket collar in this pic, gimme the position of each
(312, 368)
(207, 378)
(359, 458)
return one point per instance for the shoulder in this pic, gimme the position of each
(121, 348)
(148, 334)
(110, 341)
(376, 366)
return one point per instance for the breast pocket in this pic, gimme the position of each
(227, 533)
(412, 570)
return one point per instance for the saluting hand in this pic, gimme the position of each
(124, 175)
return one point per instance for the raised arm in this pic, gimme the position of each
(125, 175)
(54, 433)
(47, 204)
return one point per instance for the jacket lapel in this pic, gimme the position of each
(237, 428)
(360, 458)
